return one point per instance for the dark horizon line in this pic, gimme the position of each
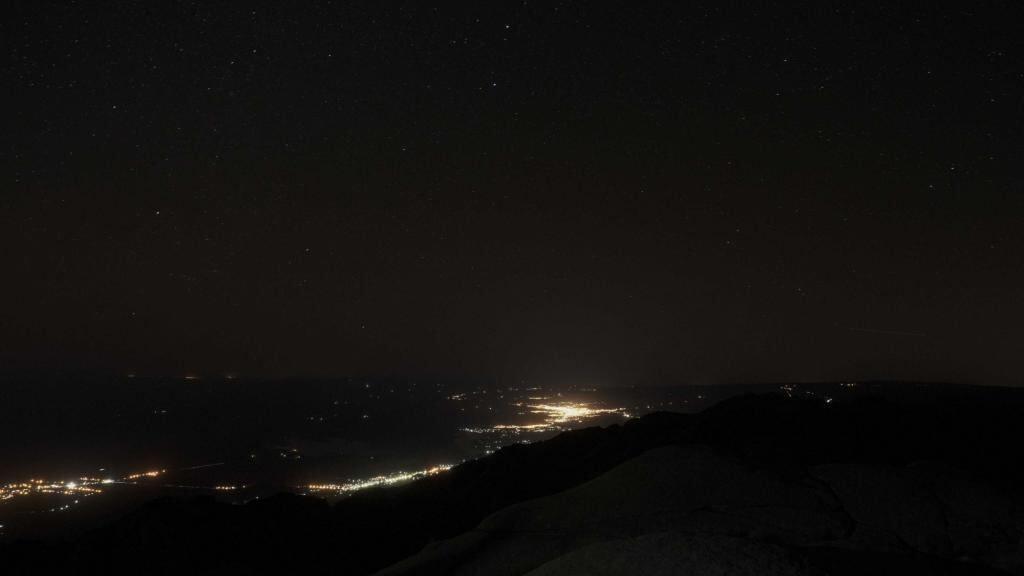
(470, 380)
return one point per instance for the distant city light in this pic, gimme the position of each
(148, 474)
(554, 416)
(540, 414)
(385, 480)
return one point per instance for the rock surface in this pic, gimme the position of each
(693, 509)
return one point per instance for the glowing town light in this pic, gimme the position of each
(554, 415)
(385, 480)
(148, 474)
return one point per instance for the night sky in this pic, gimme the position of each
(554, 192)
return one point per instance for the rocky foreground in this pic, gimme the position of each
(693, 509)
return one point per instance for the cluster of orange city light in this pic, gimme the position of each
(149, 474)
(556, 417)
(386, 480)
(84, 486)
(553, 416)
